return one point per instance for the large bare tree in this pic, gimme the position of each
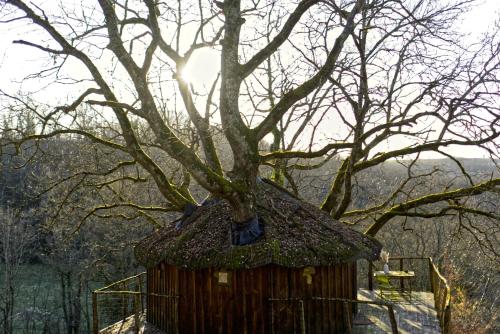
(300, 83)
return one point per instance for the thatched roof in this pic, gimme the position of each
(296, 234)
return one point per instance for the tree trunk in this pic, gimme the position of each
(243, 146)
(243, 205)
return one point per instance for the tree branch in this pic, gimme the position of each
(278, 40)
(305, 155)
(402, 209)
(307, 87)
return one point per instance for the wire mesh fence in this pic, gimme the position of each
(119, 302)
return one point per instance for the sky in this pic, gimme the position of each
(16, 61)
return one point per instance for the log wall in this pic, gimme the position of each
(243, 305)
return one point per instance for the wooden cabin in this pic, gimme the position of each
(285, 282)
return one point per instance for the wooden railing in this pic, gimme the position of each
(123, 302)
(119, 301)
(346, 310)
(434, 282)
(442, 297)
(125, 299)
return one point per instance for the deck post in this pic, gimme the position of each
(392, 318)
(139, 289)
(95, 319)
(370, 275)
(137, 301)
(124, 301)
(447, 320)
(347, 318)
(302, 318)
(401, 281)
(139, 282)
(431, 274)
(176, 308)
(271, 315)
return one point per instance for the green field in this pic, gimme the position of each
(38, 307)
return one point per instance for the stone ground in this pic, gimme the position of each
(419, 316)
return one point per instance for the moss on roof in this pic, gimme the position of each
(296, 234)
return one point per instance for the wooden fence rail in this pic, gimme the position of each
(437, 285)
(442, 296)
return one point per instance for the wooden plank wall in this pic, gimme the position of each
(243, 306)
(162, 311)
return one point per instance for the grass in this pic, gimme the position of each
(37, 306)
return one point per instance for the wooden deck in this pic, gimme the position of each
(127, 326)
(419, 316)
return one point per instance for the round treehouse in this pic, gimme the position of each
(199, 282)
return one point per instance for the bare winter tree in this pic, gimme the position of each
(16, 238)
(318, 79)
